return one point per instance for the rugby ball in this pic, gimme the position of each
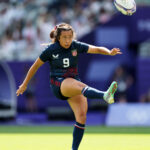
(126, 7)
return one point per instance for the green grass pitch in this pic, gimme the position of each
(60, 138)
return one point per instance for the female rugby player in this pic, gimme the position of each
(62, 56)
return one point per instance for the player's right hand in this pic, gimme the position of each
(21, 89)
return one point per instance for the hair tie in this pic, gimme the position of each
(55, 28)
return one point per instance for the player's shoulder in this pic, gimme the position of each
(79, 44)
(75, 43)
(51, 47)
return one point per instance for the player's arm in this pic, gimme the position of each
(33, 69)
(103, 50)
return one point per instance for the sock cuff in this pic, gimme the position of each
(84, 89)
(79, 125)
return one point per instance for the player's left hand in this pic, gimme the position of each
(21, 89)
(115, 51)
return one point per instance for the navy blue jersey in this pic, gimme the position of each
(63, 62)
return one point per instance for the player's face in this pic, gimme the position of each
(65, 39)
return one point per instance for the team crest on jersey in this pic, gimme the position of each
(74, 52)
(55, 56)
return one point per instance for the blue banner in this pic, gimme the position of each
(128, 115)
(123, 29)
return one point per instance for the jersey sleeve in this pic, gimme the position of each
(45, 55)
(81, 47)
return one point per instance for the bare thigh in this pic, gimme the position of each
(71, 87)
(79, 106)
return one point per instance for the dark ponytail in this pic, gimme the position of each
(52, 34)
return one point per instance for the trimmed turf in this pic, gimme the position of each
(63, 141)
(60, 138)
(68, 129)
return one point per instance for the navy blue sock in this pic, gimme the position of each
(92, 93)
(77, 135)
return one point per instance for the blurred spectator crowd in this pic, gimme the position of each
(26, 24)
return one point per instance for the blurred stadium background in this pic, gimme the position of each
(25, 25)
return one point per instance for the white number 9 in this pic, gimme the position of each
(66, 62)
